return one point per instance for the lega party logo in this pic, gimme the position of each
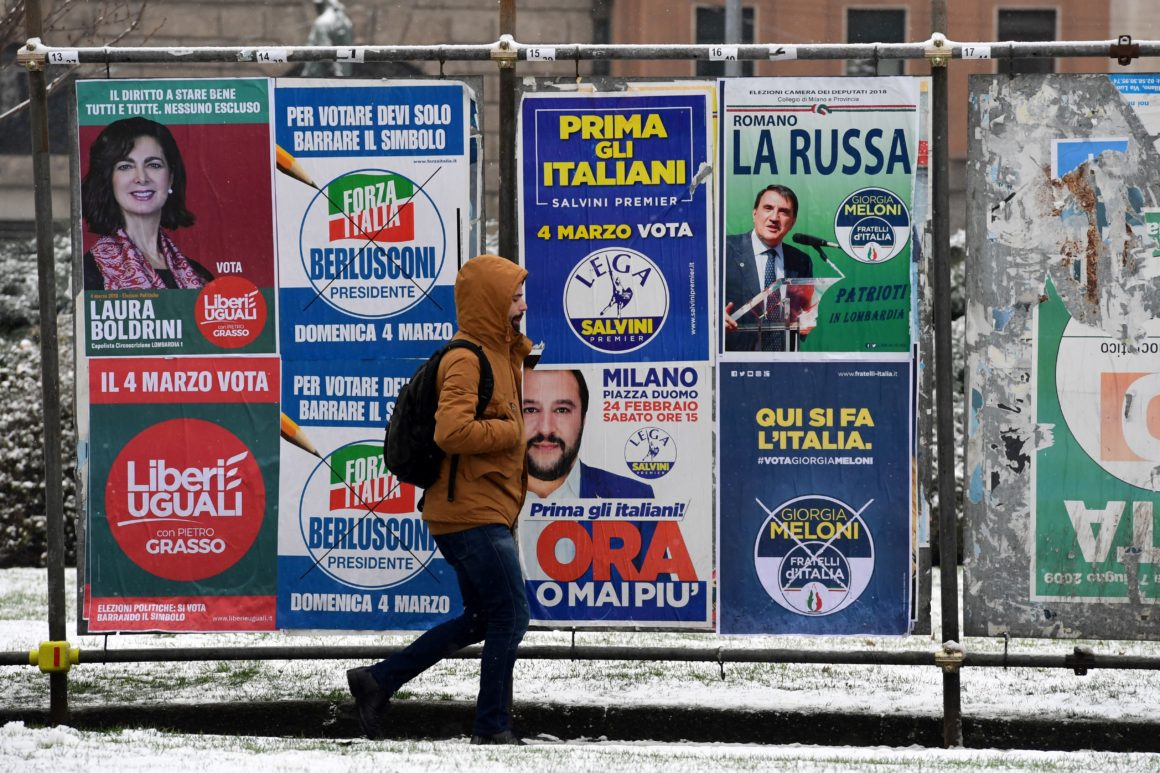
(872, 225)
(650, 453)
(372, 243)
(185, 499)
(616, 300)
(814, 554)
(358, 521)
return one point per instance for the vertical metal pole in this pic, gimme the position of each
(508, 230)
(49, 362)
(733, 31)
(944, 387)
(76, 290)
(508, 227)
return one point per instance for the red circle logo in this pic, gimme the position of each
(185, 499)
(230, 312)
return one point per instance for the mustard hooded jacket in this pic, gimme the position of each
(492, 478)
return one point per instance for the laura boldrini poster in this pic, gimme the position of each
(614, 193)
(814, 509)
(1060, 537)
(617, 525)
(181, 526)
(822, 172)
(176, 201)
(374, 207)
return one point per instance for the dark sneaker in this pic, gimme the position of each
(369, 701)
(502, 738)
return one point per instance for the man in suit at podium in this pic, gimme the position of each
(753, 261)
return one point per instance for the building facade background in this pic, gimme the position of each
(394, 22)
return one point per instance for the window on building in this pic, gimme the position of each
(601, 33)
(1025, 24)
(875, 26)
(711, 29)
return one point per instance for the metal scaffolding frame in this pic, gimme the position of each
(506, 52)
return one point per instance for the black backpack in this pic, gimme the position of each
(409, 448)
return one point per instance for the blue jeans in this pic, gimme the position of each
(495, 611)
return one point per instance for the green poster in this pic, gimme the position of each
(1095, 477)
(844, 155)
(182, 516)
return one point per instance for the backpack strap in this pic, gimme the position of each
(484, 392)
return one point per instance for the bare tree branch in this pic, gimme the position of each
(69, 23)
(12, 24)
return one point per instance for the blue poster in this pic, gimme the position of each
(814, 524)
(374, 213)
(615, 194)
(374, 207)
(354, 553)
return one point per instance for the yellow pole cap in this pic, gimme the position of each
(54, 656)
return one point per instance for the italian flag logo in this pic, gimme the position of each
(371, 207)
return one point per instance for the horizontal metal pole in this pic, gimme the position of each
(1072, 661)
(508, 49)
(270, 54)
(650, 654)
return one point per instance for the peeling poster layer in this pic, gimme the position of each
(1063, 357)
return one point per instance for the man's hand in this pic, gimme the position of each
(730, 323)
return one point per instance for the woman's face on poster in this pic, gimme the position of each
(141, 180)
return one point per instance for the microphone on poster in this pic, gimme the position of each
(813, 241)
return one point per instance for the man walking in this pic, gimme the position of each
(474, 530)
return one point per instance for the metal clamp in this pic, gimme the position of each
(1080, 660)
(950, 658)
(32, 55)
(937, 50)
(1124, 51)
(505, 52)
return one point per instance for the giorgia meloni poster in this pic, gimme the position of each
(814, 522)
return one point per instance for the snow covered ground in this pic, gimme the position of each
(60, 750)
(885, 690)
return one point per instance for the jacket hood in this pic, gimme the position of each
(483, 296)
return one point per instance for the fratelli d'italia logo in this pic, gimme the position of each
(814, 554)
(650, 453)
(372, 243)
(359, 523)
(616, 300)
(872, 225)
